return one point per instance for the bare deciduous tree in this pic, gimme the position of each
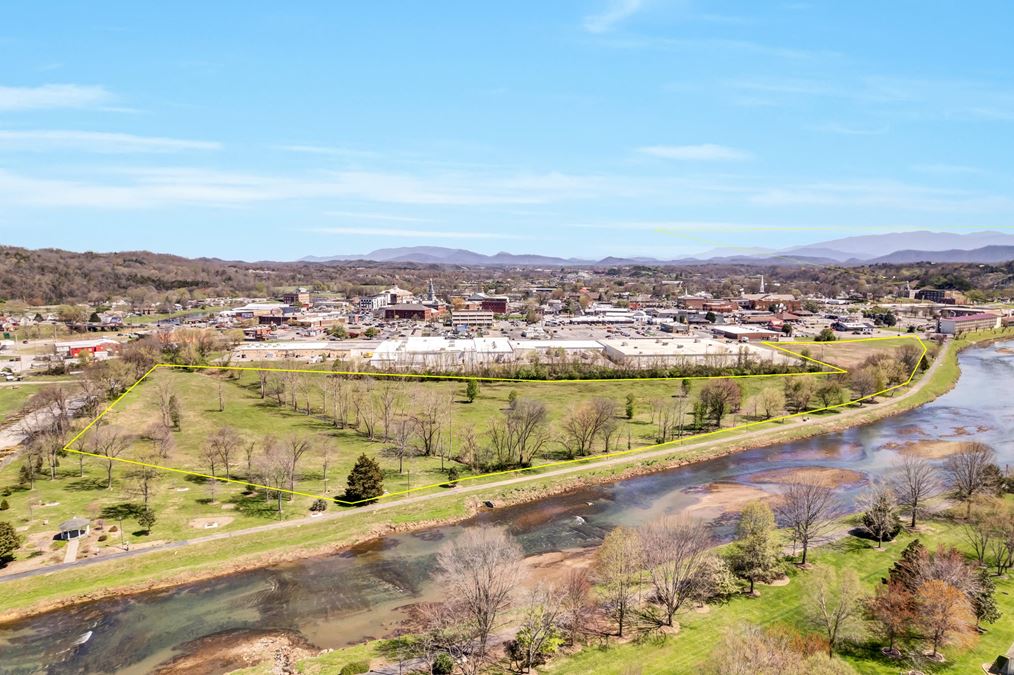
(144, 478)
(110, 443)
(430, 411)
(584, 423)
(390, 397)
(807, 508)
(915, 482)
(478, 572)
(578, 607)
(675, 550)
(161, 439)
(401, 445)
(211, 457)
(225, 442)
(295, 447)
(967, 472)
(527, 420)
(166, 393)
(835, 605)
(617, 561)
(275, 470)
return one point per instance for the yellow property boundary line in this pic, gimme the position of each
(591, 458)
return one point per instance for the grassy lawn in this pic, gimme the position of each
(12, 398)
(701, 632)
(257, 418)
(183, 504)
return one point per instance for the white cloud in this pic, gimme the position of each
(617, 11)
(165, 186)
(93, 141)
(328, 150)
(415, 234)
(372, 215)
(883, 194)
(53, 96)
(703, 152)
(848, 130)
(945, 168)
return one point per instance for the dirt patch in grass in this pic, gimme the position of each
(809, 474)
(210, 523)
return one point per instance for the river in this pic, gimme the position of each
(342, 599)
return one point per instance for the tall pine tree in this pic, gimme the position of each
(365, 481)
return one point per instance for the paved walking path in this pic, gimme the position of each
(743, 439)
(71, 555)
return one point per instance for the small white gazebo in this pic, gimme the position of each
(74, 528)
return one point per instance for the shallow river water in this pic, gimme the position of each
(338, 600)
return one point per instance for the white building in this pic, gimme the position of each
(306, 350)
(421, 353)
(671, 351)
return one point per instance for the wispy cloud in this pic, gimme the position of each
(953, 99)
(164, 186)
(945, 168)
(669, 226)
(614, 13)
(849, 130)
(415, 234)
(887, 194)
(329, 150)
(40, 140)
(723, 45)
(372, 215)
(53, 96)
(704, 152)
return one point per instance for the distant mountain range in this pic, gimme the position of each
(895, 247)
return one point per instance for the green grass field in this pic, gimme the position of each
(184, 508)
(701, 632)
(12, 398)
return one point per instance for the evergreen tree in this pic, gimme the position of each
(146, 519)
(175, 413)
(9, 541)
(983, 602)
(365, 481)
(630, 406)
(471, 390)
(907, 571)
(880, 518)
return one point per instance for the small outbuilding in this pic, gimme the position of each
(74, 528)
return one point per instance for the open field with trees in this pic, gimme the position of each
(272, 434)
(660, 598)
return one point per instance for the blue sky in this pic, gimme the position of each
(257, 130)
